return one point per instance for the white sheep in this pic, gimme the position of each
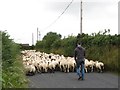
(92, 65)
(52, 65)
(64, 65)
(42, 62)
(30, 70)
(99, 66)
(71, 64)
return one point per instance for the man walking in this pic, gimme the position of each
(80, 60)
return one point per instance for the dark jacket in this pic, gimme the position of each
(79, 53)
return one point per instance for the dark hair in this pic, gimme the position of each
(80, 43)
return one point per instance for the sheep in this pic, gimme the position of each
(92, 65)
(39, 67)
(87, 65)
(57, 67)
(71, 64)
(99, 66)
(43, 67)
(52, 65)
(44, 62)
(36, 64)
(64, 65)
(30, 70)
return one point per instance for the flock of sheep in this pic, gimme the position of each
(38, 62)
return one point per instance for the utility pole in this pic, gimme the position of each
(81, 19)
(79, 38)
(37, 33)
(32, 39)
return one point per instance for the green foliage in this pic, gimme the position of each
(12, 68)
(99, 46)
(56, 44)
(69, 45)
(49, 41)
(14, 76)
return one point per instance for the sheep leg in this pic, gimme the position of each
(67, 68)
(92, 69)
(85, 69)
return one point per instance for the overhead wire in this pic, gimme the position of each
(58, 16)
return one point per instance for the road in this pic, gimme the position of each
(69, 80)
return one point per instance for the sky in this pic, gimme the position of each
(21, 18)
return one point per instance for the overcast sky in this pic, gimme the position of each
(22, 17)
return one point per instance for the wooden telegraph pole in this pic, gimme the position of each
(37, 34)
(32, 39)
(79, 38)
(81, 19)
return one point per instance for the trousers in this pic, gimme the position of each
(80, 68)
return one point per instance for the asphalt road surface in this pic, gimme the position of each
(70, 80)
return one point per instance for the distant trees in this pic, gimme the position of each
(52, 42)
(49, 41)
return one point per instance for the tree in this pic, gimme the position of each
(48, 41)
(69, 45)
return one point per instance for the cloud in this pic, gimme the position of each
(22, 17)
(59, 7)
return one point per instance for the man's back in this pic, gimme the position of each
(79, 53)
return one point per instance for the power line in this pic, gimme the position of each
(59, 15)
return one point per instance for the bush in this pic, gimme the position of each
(12, 68)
